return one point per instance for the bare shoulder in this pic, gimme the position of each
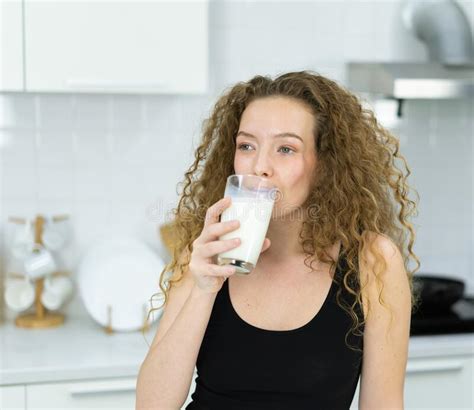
(381, 267)
(380, 246)
(385, 289)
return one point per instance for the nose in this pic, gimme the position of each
(263, 166)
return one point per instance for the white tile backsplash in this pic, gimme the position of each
(92, 112)
(18, 111)
(113, 161)
(49, 108)
(56, 147)
(20, 182)
(356, 12)
(128, 113)
(19, 148)
(55, 182)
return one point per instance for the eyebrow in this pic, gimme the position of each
(280, 135)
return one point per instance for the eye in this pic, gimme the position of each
(288, 149)
(242, 145)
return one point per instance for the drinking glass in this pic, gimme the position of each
(252, 200)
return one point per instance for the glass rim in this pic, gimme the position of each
(271, 185)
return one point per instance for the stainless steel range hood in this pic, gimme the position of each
(412, 80)
(449, 73)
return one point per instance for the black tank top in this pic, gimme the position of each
(240, 366)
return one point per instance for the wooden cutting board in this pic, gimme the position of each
(168, 237)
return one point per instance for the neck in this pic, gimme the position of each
(285, 243)
(284, 237)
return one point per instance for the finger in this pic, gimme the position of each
(210, 249)
(213, 212)
(224, 270)
(266, 245)
(214, 231)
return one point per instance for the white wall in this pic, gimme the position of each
(112, 162)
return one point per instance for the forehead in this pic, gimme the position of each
(277, 114)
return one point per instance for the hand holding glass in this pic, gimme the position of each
(252, 205)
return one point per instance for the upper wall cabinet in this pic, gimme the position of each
(116, 46)
(11, 45)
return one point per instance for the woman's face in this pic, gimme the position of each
(275, 140)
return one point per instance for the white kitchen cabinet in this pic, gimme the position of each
(11, 45)
(12, 397)
(443, 382)
(440, 383)
(104, 394)
(116, 46)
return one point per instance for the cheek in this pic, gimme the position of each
(296, 174)
(241, 164)
(298, 180)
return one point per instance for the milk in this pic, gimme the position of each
(254, 215)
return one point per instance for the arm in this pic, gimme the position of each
(385, 341)
(166, 373)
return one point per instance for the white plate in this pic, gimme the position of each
(123, 273)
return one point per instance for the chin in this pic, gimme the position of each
(285, 211)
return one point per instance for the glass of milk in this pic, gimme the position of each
(252, 200)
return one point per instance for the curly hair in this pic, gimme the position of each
(357, 188)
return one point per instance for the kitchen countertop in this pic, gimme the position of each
(441, 345)
(80, 349)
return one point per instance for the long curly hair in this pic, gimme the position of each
(357, 188)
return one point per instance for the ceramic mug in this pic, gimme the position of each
(23, 241)
(55, 235)
(56, 291)
(20, 295)
(39, 262)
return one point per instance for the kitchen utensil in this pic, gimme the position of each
(459, 318)
(116, 278)
(438, 293)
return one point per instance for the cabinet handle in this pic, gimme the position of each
(110, 85)
(431, 367)
(103, 387)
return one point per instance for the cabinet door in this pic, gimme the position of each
(11, 45)
(430, 383)
(117, 46)
(12, 397)
(439, 383)
(103, 394)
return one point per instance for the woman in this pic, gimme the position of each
(330, 297)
